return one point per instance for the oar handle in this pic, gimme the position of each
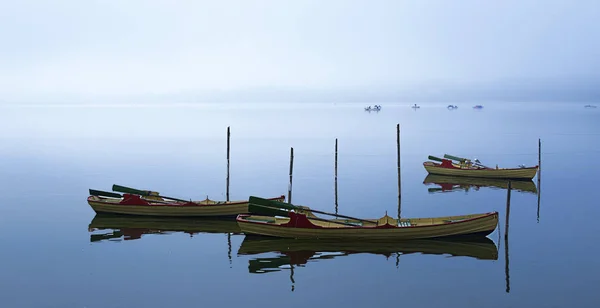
(100, 193)
(94, 192)
(455, 157)
(344, 216)
(435, 158)
(278, 212)
(287, 206)
(146, 193)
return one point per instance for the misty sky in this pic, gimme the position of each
(126, 47)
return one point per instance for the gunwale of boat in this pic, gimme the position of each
(386, 228)
(331, 223)
(113, 206)
(205, 202)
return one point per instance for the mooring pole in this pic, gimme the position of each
(228, 149)
(336, 175)
(291, 170)
(399, 182)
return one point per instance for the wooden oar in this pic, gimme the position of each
(455, 158)
(94, 192)
(435, 158)
(146, 193)
(270, 211)
(277, 204)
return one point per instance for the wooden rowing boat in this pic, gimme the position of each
(131, 204)
(301, 249)
(465, 167)
(304, 224)
(133, 227)
(454, 183)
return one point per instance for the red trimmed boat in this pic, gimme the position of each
(150, 203)
(466, 167)
(302, 223)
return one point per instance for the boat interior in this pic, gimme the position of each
(344, 223)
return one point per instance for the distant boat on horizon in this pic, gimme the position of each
(589, 106)
(477, 107)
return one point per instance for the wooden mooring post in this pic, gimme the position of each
(399, 180)
(228, 149)
(291, 171)
(336, 176)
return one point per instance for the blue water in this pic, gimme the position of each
(51, 155)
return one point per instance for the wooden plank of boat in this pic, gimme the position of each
(482, 248)
(299, 225)
(452, 183)
(131, 204)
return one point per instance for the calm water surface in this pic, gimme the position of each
(57, 253)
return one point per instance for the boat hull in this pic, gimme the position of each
(222, 209)
(505, 173)
(479, 225)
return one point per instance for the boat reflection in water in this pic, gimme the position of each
(298, 252)
(460, 183)
(125, 227)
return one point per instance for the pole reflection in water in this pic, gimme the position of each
(506, 238)
(229, 248)
(539, 195)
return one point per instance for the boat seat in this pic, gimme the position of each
(354, 223)
(269, 220)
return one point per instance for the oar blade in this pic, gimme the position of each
(434, 158)
(455, 158)
(271, 203)
(100, 193)
(130, 190)
(266, 210)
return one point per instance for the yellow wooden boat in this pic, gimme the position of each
(482, 248)
(465, 167)
(155, 205)
(453, 183)
(302, 223)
